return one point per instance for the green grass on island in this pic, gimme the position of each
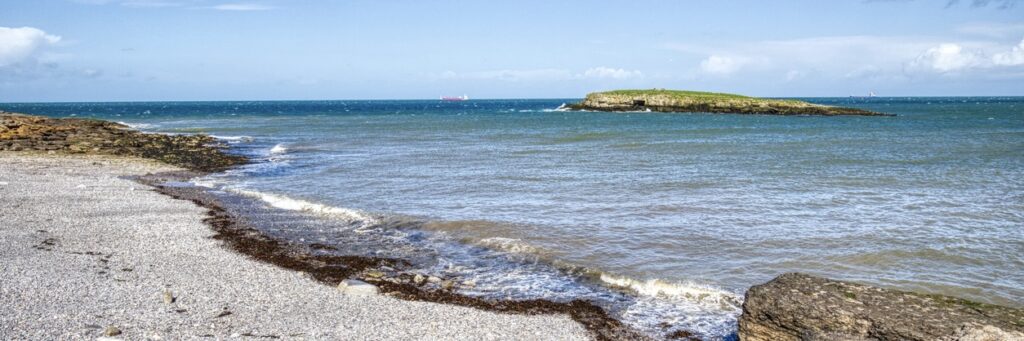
(661, 100)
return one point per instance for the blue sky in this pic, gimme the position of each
(129, 50)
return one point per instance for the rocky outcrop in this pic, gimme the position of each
(20, 132)
(691, 101)
(803, 307)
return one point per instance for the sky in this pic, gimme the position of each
(156, 50)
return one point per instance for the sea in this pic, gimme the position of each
(663, 219)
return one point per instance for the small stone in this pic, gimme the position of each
(447, 285)
(374, 274)
(419, 279)
(168, 297)
(469, 284)
(433, 279)
(357, 287)
(111, 331)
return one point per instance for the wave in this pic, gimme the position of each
(563, 107)
(234, 139)
(139, 126)
(510, 245)
(660, 288)
(278, 149)
(700, 294)
(363, 219)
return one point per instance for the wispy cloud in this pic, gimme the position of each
(722, 65)
(242, 7)
(193, 4)
(992, 29)
(847, 57)
(512, 75)
(999, 4)
(151, 4)
(613, 73)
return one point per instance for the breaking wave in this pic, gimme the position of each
(354, 216)
(278, 149)
(138, 126)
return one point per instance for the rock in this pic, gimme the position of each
(661, 100)
(469, 284)
(75, 135)
(168, 297)
(447, 285)
(111, 331)
(803, 307)
(433, 279)
(976, 332)
(374, 274)
(419, 279)
(357, 287)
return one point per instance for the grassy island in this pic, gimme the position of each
(661, 100)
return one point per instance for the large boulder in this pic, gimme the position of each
(802, 307)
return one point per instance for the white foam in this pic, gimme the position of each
(659, 288)
(508, 245)
(234, 139)
(279, 149)
(562, 107)
(286, 203)
(138, 126)
(204, 183)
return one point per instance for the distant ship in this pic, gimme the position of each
(455, 99)
(870, 94)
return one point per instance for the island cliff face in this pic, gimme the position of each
(694, 101)
(803, 307)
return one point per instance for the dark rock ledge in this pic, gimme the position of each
(803, 307)
(19, 132)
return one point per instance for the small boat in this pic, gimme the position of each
(455, 99)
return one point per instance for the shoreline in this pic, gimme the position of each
(200, 154)
(384, 273)
(119, 247)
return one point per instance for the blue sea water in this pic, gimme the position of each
(667, 218)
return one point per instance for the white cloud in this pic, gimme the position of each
(1011, 58)
(512, 75)
(948, 57)
(869, 58)
(607, 72)
(721, 65)
(951, 58)
(242, 7)
(23, 43)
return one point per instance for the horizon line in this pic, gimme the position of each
(469, 100)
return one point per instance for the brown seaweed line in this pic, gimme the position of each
(332, 269)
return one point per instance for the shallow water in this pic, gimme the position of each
(685, 211)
